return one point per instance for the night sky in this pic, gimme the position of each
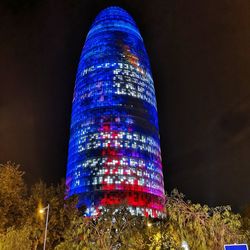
(200, 58)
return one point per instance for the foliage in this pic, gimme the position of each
(201, 226)
(115, 229)
(16, 239)
(246, 222)
(19, 215)
(62, 211)
(12, 196)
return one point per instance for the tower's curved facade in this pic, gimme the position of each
(114, 149)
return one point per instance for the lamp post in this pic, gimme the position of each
(42, 210)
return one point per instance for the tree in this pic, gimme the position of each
(246, 222)
(16, 239)
(19, 215)
(203, 227)
(114, 229)
(62, 212)
(12, 196)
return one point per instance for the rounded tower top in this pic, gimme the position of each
(114, 19)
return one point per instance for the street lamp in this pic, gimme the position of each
(149, 224)
(41, 211)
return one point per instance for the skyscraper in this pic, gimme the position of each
(114, 150)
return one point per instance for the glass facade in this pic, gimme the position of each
(114, 150)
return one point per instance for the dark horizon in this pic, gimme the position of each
(199, 55)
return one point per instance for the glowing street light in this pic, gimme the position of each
(149, 224)
(42, 211)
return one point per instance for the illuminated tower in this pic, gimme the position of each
(114, 149)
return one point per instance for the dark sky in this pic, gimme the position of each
(200, 58)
